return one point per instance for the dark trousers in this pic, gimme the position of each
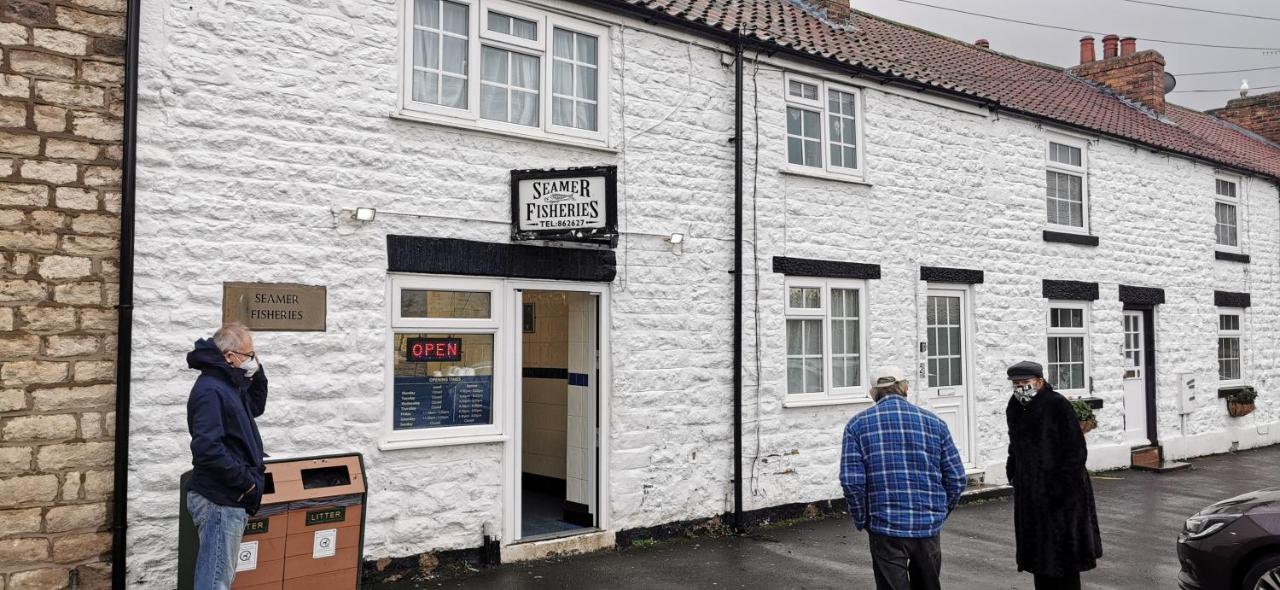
(1068, 582)
(906, 564)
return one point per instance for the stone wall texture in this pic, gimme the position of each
(262, 124)
(61, 105)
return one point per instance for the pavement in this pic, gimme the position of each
(1140, 514)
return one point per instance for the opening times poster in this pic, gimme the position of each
(434, 402)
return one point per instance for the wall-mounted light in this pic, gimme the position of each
(676, 238)
(365, 213)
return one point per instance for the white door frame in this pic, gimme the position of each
(965, 291)
(1141, 437)
(598, 406)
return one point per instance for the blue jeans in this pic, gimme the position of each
(219, 528)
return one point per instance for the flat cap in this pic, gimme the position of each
(1026, 370)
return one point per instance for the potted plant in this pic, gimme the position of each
(1085, 415)
(1240, 401)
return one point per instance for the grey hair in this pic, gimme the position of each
(897, 387)
(230, 337)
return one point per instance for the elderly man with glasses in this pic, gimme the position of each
(226, 450)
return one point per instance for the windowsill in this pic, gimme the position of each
(831, 401)
(1226, 390)
(1094, 403)
(824, 175)
(1231, 256)
(394, 445)
(1063, 237)
(419, 117)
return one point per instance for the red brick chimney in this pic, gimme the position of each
(983, 43)
(840, 11)
(1137, 75)
(1259, 114)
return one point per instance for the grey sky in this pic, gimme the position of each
(1124, 19)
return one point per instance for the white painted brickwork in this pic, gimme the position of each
(259, 121)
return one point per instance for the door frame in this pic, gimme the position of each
(597, 411)
(1149, 366)
(966, 316)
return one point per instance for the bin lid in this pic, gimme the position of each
(308, 478)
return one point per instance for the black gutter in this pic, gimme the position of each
(737, 283)
(124, 308)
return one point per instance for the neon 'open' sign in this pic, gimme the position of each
(434, 350)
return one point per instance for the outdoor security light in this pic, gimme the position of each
(676, 238)
(365, 213)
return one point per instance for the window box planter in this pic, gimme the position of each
(1240, 400)
(1237, 409)
(1084, 413)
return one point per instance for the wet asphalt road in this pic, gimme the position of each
(1140, 515)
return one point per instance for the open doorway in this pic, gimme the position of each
(558, 446)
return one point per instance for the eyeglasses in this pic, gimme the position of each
(251, 354)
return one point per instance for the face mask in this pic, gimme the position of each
(250, 366)
(1024, 393)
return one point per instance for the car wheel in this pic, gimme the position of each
(1264, 575)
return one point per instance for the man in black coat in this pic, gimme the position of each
(1054, 517)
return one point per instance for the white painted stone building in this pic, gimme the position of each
(264, 125)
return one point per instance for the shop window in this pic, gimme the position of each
(824, 131)
(506, 67)
(1230, 332)
(445, 352)
(1068, 365)
(825, 340)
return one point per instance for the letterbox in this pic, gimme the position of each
(308, 534)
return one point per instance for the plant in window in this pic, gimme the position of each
(1084, 414)
(1240, 401)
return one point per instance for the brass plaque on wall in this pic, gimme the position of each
(275, 307)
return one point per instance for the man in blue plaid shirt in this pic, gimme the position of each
(902, 476)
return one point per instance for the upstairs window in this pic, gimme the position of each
(1226, 212)
(506, 67)
(824, 131)
(1067, 199)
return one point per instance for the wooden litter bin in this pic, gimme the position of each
(309, 533)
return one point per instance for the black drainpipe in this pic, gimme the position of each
(737, 283)
(124, 309)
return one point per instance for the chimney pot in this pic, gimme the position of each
(1109, 46)
(1086, 50)
(1128, 46)
(983, 43)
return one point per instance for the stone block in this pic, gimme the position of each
(28, 241)
(88, 22)
(71, 486)
(41, 579)
(68, 398)
(16, 522)
(102, 5)
(70, 150)
(94, 576)
(74, 455)
(93, 371)
(49, 119)
(65, 267)
(102, 176)
(22, 291)
(61, 519)
(101, 72)
(32, 372)
(98, 484)
(23, 550)
(93, 223)
(13, 34)
(69, 94)
(52, 172)
(42, 427)
(13, 114)
(48, 319)
(96, 126)
(37, 63)
(91, 426)
(17, 347)
(71, 548)
(14, 460)
(90, 245)
(12, 217)
(66, 197)
(48, 220)
(65, 346)
(19, 143)
(111, 201)
(98, 319)
(28, 489)
(12, 399)
(60, 41)
(29, 12)
(78, 293)
(15, 86)
(23, 195)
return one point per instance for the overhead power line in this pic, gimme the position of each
(1228, 71)
(1087, 32)
(1205, 10)
(1252, 88)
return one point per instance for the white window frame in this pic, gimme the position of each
(1052, 332)
(495, 324)
(1238, 312)
(1082, 171)
(829, 394)
(479, 35)
(821, 106)
(1236, 202)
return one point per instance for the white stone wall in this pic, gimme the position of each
(260, 121)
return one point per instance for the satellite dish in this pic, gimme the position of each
(1169, 82)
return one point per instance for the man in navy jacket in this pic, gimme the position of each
(226, 450)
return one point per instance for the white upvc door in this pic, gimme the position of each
(946, 389)
(1135, 379)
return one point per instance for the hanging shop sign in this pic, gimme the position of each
(571, 204)
(275, 307)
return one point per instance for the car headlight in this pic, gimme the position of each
(1201, 526)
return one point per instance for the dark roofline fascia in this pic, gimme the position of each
(729, 37)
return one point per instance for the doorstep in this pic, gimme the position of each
(559, 546)
(983, 491)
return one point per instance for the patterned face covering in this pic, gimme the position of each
(1024, 393)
